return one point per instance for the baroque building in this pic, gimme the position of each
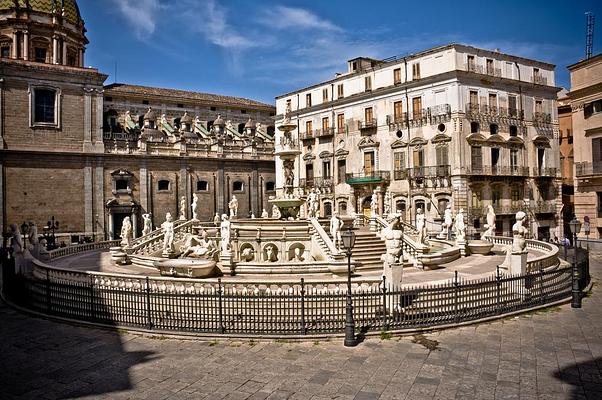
(449, 125)
(586, 106)
(90, 154)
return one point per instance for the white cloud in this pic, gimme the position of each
(281, 17)
(140, 14)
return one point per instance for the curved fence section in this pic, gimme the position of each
(80, 248)
(299, 308)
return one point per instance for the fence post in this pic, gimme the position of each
(303, 327)
(148, 305)
(498, 282)
(385, 327)
(456, 297)
(222, 329)
(541, 291)
(91, 297)
(48, 295)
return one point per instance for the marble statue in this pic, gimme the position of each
(168, 235)
(298, 255)
(225, 234)
(421, 227)
(183, 208)
(448, 221)
(460, 226)
(126, 232)
(194, 205)
(271, 253)
(217, 220)
(374, 204)
(16, 242)
(336, 223)
(264, 214)
(34, 241)
(519, 233)
(392, 235)
(313, 204)
(490, 225)
(247, 254)
(233, 206)
(276, 212)
(253, 215)
(289, 175)
(148, 224)
(387, 204)
(198, 247)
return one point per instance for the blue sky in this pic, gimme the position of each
(260, 49)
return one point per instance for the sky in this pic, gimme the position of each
(261, 49)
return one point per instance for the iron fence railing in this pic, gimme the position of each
(367, 124)
(586, 168)
(324, 132)
(505, 170)
(545, 172)
(367, 177)
(316, 182)
(429, 172)
(297, 308)
(539, 79)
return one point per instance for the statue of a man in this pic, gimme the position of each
(374, 203)
(183, 208)
(312, 199)
(460, 226)
(126, 232)
(194, 205)
(448, 221)
(217, 220)
(233, 206)
(387, 200)
(34, 240)
(16, 243)
(392, 235)
(168, 234)
(421, 226)
(225, 234)
(148, 224)
(336, 223)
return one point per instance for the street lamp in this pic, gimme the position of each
(52, 225)
(348, 239)
(575, 226)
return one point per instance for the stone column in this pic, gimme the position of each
(87, 119)
(134, 225)
(99, 203)
(81, 58)
(97, 128)
(88, 198)
(144, 203)
(220, 189)
(183, 190)
(26, 45)
(15, 49)
(55, 49)
(64, 51)
(111, 226)
(255, 190)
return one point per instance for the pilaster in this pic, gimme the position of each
(88, 200)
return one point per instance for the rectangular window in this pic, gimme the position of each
(417, 107)
(512, 110)
(597, 150)
(341, 170)
(493, 102)
(309, 174)
(442, 155)
(368, 83)
(496, 196)
(495, 156)
(288, 104)
(325, 124)
(515, 195)
(368, 162)
(513, 158)
(476, 158)
(341, 123)
(538, 106)
(308, 100)
(471, 63)
(326, 169)
(397, 76)
(324, 95)
(368, 116)
(44, 106)
(5, 51)
(474, 98)
(416, 71)
(399, 163)
(398, 111)
(418, 156)
(476, 199)
(340, 92)
(489, 65)
(308, 128)
(599, 208)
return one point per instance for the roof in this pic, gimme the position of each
(582, 63)
(179, 95)
(72, 13)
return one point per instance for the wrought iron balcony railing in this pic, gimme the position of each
(400, 174)
(542, 117)
(324, 132)
(367, 124)
(421, 117)
(478, 69)
(543, 207)
(586, 168)
(307, 135)
(436, 171)
(318, 182)
(545, 172)
(497, 170)
(540, 80)
(367, 177)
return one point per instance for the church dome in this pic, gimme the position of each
(68, 8)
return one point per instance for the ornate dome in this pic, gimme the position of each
(71, 10)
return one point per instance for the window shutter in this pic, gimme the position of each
(597, 150)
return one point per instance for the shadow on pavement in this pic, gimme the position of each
(585, 379)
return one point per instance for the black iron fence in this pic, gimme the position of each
(297, 308)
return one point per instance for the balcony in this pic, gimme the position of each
(368, 124)
(586, 168)
(324, 132)
(541, 118)
(539, 79)
(430, 115)
(307, 135)
(436, 171)
(543, 207)
(545, 172)
(364, 178)
(324, 184)
(478, 69)
(499, 209)
(400, 174)
(485, 111)
(497, 170)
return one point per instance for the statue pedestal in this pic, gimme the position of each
(462, 246)
(393, 273)
(226, 259)
(518, 263)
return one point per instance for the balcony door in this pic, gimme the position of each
(369, 163)
(474, 98)
(309, 174)
(417, 107)
(476, 158)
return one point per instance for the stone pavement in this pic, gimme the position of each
(552, 354)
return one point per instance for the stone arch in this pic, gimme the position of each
(275, 251)
(291, 252)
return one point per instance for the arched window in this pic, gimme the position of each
(202, 186)
(238, 186)
(343, 208)
(328, 209)
(163, 184)
(270, 186)
(474, 127)
(513, 130)
(493, 129)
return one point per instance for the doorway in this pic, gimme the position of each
(117, 224)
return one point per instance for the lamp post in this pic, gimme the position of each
(575, 226)
(52, 225)
(348, 239)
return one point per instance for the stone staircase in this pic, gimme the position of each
(367, 250)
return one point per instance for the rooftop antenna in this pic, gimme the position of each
(589, 34)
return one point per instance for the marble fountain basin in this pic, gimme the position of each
(187, 267)
(440, 253)
(479, 247)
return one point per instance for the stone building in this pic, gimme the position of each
(450, 125)
(586, 106)
(565, 140)
(90, 154)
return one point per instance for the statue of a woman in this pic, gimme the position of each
(336, 223)
(148, 224)
(374, 203)
(460, 227)
(193, 206)
(126, 232)
(490, 226)
(168, 234)
(183, 208)
(16, 243)
(225, 233)
(421, 226)
(519, 232)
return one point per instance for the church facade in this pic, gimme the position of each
(90, 154)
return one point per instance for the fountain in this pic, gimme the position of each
(288, 150)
